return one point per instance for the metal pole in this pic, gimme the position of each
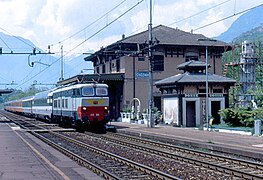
(206, 86)
(61, 78)
(150, 69)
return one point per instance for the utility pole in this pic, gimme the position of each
(150, 98)
(61, 77)
(206, 40)
(206, 88)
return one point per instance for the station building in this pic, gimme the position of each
(124, 65)
(184, 95)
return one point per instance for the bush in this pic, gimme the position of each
(230, 117)
(239, 116)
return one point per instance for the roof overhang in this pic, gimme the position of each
(5, 91)
(87, 78)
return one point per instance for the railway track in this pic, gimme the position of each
(112, 165)
(31, 124)
(116, 156)
(103, 163)
(227, 165)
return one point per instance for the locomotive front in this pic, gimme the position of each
(93, 109)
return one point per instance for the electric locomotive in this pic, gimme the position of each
(84, 106)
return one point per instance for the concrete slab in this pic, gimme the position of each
(23, 156)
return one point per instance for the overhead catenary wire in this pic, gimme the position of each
(235, 14)
(106, 26)
(18, 38)
(139, 2)
(225, 18)
(200, 12)
(6, 44)
(83, 29)
(193, 15)
(93, 22)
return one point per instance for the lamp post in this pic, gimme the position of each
(206, 80)
(206, 86)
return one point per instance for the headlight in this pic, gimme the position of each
(84, 108)
(105, 107)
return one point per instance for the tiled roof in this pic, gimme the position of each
(194, 78)
(192, 64)
(170, 36)
(165, 36)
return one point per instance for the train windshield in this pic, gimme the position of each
(101, 91)
(88, 91)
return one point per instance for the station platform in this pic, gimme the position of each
(230, 141)
(22, 156)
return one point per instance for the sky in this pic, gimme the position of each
(75, 24)
(84, 26)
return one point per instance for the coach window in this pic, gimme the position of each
(88, 91)
(101, 92)
(55, 103)
(66, 103)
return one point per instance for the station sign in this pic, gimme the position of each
(142, 74)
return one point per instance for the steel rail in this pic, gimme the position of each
(138, 166)
(96, 169)
(225, 166)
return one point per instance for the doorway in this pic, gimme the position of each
(215, 107)
(190, 114)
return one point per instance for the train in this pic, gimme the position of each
(82, 106)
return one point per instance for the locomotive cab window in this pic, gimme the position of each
(76, 92)
(88, 91)
(101, 91)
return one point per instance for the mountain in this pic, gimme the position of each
(16, 68)
(249, 20)
(255, 34)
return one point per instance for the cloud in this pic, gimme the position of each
(186, 15)
(50, 21)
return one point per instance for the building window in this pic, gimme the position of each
(110, 64)
(118, 65)
(217, 90)
(141, 59)
(168, 51)
(189, 56)
(202, 91)
(158, 63)
(98, 69)
(103, 69)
